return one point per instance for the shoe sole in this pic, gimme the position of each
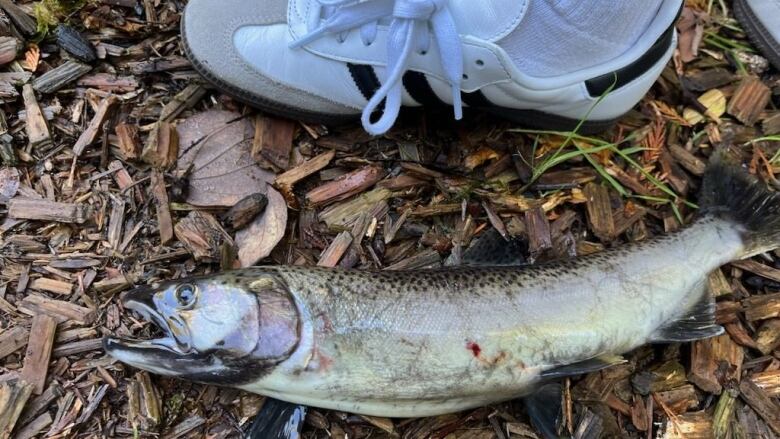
(757, 32)
(529, 118)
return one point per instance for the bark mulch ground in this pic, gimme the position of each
(120, 166)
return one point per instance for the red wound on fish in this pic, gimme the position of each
(474, 348)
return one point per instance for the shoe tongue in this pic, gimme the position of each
(489, 20)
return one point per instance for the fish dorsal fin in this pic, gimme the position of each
(696, 324)
(544, 409)
(493, 250)
(587, 366)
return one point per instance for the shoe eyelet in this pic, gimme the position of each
(480, 63)
(465, 77)
(422, 53)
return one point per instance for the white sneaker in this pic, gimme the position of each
(542, 63)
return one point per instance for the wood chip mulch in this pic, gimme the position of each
(120, 167)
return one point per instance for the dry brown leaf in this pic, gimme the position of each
(256, 241)
(32, 57)
(691, 31)
(217, 144)
(9, 184)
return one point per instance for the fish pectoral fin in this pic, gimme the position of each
(277, 420)
(544, 409)
(697, 324)
(587, 366)
(544, 405)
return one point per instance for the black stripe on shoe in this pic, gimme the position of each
(365, 78)
(368, 83)
(476, 99)
(599, 85)
(420, 90)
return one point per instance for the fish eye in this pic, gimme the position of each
(185, 295)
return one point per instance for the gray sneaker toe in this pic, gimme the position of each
(208, 30)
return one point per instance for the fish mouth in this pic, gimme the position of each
(155, 354)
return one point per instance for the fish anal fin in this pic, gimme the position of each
(544, 409)
(583, 367)
(696, 324)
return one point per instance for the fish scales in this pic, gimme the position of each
(488, 329)
(417, 343)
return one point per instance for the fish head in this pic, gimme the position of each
(226, 329)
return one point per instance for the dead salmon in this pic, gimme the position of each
(418, 343)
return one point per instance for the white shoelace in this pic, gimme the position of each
(413, 23)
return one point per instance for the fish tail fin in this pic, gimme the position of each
(730, 192)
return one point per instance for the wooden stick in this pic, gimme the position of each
(273, 141)
(690, 425)
(539, 239)
(344, 187)
(765, 306)
(36, 360)
(758, 268)
(333, 254)
(704, 367)
(13, 397)
(34, 428)
(40, 403)
(768, 409)
(304, 170)
(162, 146)
(60, 76)
(129, 145)
(38, 134)
(768, 381)
(183, 100)
(95, 125)
(45, 210)
(600, 211)
(202, 235)
(768, 338)
(24, 22)
(9, 48)
(12, 339)
(61, 311)
(116, 222)
(52, 285)
(749, 100)
(164, 221)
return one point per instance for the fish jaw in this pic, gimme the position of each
(160, 359)
(169, 355)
